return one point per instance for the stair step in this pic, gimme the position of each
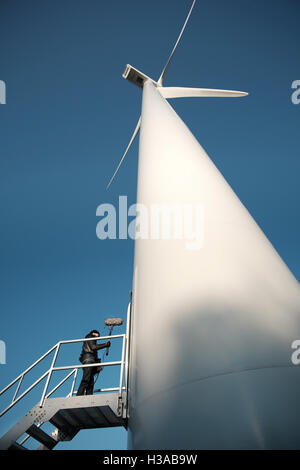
(63, 425)
(41, 436)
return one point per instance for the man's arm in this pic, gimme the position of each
(94, 346)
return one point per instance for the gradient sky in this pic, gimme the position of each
(68, 118)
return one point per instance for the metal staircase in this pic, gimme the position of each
(69, 414)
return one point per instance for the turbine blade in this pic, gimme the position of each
(124, 155)
(162, 76)
(179, 92)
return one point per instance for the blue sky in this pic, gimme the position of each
(68, 118)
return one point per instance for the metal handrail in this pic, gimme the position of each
(48, 373)
(28, 370)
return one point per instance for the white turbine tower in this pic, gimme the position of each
(212, 328)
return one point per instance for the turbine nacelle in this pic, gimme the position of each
(136, 77)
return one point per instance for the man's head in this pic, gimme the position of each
(95, 333)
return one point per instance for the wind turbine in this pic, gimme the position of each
(212, 328)
(139, 78)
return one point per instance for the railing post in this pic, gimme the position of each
(49, 375)
(128, 329)
(18, 388)
(122, 365)
(73, 383)
(127, 357)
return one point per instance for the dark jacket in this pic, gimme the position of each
(90, 348)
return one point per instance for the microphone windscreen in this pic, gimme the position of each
(113, 321)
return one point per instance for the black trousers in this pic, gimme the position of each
(87, 382)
